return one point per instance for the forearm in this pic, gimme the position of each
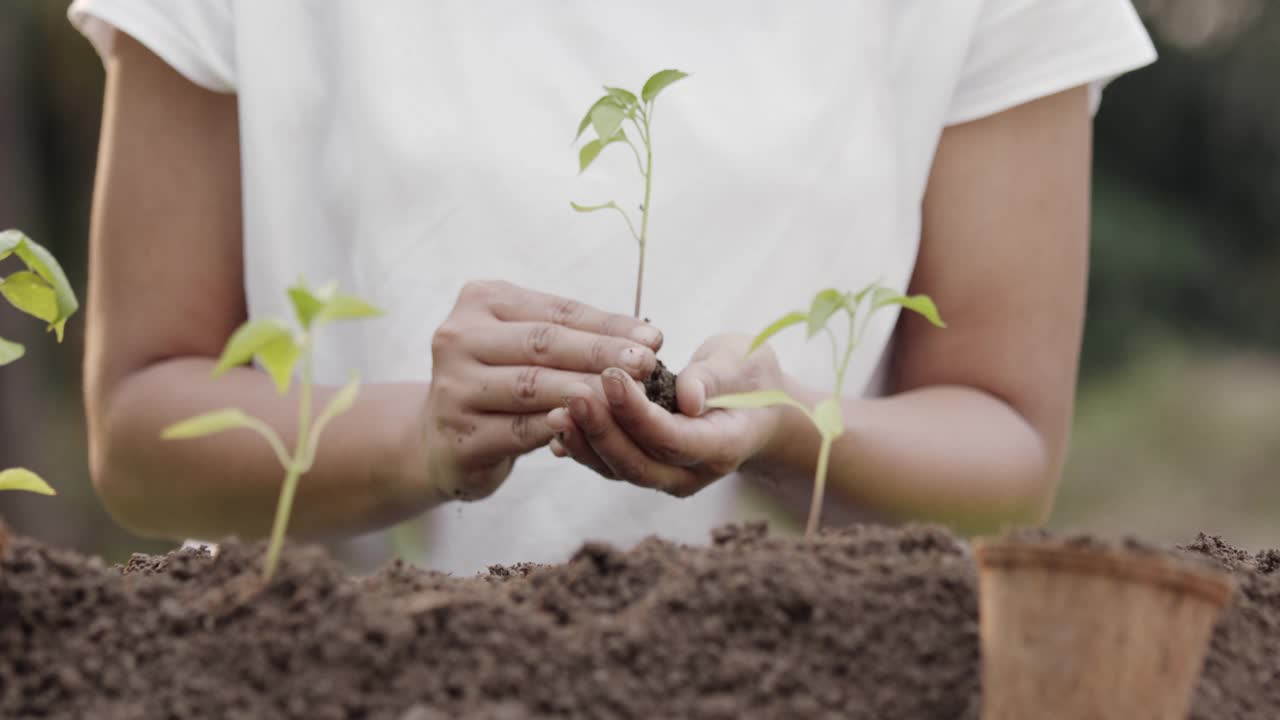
(944, 453)
(229, 483)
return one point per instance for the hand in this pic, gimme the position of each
(502, 358)
(619, 433)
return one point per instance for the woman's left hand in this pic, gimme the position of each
(622, 435)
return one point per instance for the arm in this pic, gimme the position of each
(976, 430)
(167, 290)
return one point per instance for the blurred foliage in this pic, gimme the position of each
(1187, 193)
(1186, 219)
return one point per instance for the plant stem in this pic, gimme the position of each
(819, 488)
(284, 507)
(644, 213)
(281, 522)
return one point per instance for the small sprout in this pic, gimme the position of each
(43, 292)
(279, 349)
(606, 118)
(23, 479)
(827, 416)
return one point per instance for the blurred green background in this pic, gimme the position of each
(1178, 419)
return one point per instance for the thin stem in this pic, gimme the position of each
(819, 488)
(630, 226)
(644, 212)
(848, 353)
(835, 353)
(284, 506)
(281, 522)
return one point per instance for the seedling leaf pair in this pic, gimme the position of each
(280, 349)
(41, 291)
(607, 117)
(827, 415)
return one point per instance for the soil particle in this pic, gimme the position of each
(660, 388)
(866, 622)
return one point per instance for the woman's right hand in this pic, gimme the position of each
(501, 361)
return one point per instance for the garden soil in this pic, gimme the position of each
(660, 388)
(866, 622)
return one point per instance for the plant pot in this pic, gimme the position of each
(1072, 630)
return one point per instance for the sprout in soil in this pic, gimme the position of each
(606, 118)
(827, 416)
(43, 292)
(279, 349)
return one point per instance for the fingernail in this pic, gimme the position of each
(613, 388)
(646, 334)
(579, 408)
(559, 420)
(633, 359)
(699, 397)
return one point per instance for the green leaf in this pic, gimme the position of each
(210, 423)
(829, 418)
(9, 240)
(10, 351)
(345, 307)
(919, 303)
(305, 304)
(625, 97)
(29, 293)
(607, 120)
(279, 357)
(659, 82)
(824, 305)
(248, 341)
(22, 479)
(42, 263)
(588, 154)
(757, 399)
(782, 323)
(586, 119)
(611, 205)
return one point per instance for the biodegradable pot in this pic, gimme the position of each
(1088, 631)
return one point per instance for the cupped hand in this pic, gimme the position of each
(502, 359)
(615, 430)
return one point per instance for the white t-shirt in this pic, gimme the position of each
(404, 147)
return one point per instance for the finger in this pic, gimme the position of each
(657, 432)
(516, 304)
(520, 389)
(569, 442)
(627, 461)
(492, 438)
(716, 374)
(555, 346)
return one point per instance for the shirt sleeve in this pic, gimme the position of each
(1022, 50)
(196, 37)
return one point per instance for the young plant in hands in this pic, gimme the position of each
(607, 117)
(43, 292)
(280, 350)
(827, 416)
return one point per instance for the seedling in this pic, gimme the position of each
(827, 416)
(606, 118)
(43, 292)
(280, 349)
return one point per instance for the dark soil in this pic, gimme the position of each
(867, 622)
(661, 388)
